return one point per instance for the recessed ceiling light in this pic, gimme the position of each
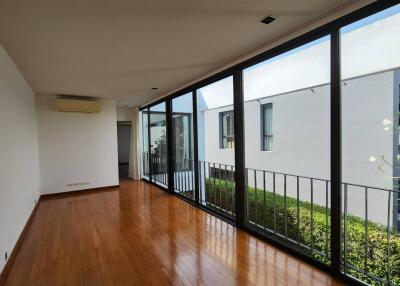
(154, 88)
(267, 20)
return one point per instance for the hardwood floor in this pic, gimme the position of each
(140, 235)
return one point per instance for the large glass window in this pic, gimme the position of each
(182, 134)
(158, 145)
(287, 105)
(370, 71)
(288, 189)
(215, 130)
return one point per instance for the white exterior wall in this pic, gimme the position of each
(301, 142)
(301, 117)
(213, 152)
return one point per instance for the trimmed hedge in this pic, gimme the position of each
(375, 262)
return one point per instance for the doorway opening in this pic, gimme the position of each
(124, 129)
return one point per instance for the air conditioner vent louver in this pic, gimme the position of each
(77, 105)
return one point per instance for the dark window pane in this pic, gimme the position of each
(267, 126)
(227, 129)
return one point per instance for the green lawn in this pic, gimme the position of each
(300, 229)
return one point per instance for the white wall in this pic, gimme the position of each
(19, 168)
(378, 42)
(213, 152)
(77, 148)
(124, 114)
(301, 116)
(301, 142)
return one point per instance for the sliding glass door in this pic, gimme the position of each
(158, 145)
(182, 148)
(287, 147)
(216, 147)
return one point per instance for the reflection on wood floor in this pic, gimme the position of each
(140, 235)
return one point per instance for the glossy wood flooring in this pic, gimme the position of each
(140, 235)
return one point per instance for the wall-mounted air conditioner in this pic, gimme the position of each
(77, 105)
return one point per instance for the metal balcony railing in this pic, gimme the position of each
(296, 210)
(217, 187)
(184, 180)
(157, 166)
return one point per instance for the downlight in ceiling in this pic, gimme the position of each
(267, 20)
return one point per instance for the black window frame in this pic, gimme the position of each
(221, 130)
(263, 127)
(332, 29)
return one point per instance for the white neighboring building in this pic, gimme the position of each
(297, 85)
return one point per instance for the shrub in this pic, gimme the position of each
(299, 228)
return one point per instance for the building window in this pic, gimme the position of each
(266, 131)
(227, 137)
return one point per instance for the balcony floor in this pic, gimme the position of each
(140, 235)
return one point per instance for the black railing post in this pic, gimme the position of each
(196, 150)
(240, 190)
(336, 153)
(170, 142)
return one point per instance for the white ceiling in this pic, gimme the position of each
(122, 48)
